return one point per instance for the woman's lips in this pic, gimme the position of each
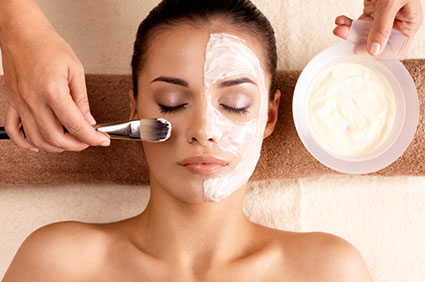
(203, 164)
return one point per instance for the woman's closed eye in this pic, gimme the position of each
(243, 110)
(235, 104)
(168, 109)
(170, 100)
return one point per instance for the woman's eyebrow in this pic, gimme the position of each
(172, 80)
(233, 82)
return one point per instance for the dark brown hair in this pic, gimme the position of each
(241, 13)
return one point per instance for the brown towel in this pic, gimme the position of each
(283, 154)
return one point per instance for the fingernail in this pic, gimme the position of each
(90, 119)
(105, 143)
(374, 48)
(34, 150)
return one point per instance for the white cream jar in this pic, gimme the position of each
(353, 112)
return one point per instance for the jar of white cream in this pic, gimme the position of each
(353, 112)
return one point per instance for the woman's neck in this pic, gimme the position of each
(195, 236)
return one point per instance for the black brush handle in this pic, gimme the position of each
(4, 136)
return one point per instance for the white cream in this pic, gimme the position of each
(228, 56)
(350, 109)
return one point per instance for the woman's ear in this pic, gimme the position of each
(273, 114)
(133, 106)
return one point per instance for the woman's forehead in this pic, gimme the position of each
(227, 56)
(182, 49)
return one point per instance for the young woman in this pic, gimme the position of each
(208, 67)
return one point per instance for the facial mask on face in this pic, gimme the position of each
(228, 56)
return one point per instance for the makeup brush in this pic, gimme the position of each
(150, 130)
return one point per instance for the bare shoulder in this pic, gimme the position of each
(63, 251)
(319, 256)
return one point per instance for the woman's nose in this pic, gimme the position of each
(198, 130)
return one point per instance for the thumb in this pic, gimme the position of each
(381, 28)
(77, 87)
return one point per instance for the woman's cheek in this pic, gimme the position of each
(236, 136)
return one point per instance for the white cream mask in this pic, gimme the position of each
(227, 56)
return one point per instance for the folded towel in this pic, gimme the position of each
(283, 154)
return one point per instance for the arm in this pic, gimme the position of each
(404, 15)
(46, 81)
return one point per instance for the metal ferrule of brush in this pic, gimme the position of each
(126, 130)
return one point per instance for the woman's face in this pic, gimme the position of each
(211, 86)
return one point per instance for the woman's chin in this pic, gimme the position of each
(191, 191)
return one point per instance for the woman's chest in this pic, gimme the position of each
(267, 267)
(246, 275)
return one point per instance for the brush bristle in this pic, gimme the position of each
(155, 130)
